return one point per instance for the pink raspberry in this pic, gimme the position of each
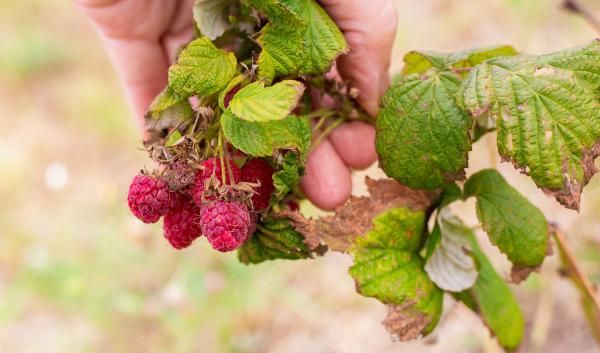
(258, 170)
(210, 167)
(225, 224)
(149, 198)
(181, 224)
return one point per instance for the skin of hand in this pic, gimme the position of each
(142, 36)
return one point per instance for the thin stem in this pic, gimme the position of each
(319, 113)
(221, 157)
(577, 8)
(322, 121)
(492, 150)
(337, 122)
(575, 269)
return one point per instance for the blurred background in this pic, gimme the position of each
(78, 273)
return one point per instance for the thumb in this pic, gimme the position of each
(369, 28)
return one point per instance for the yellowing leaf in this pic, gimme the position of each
(547, 111)
(256, 102)
(265, 138)
(388, 267)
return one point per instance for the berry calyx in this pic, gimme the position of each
(149, 198)
(225, 224)
(181, 224)
(212, 168)
(259, 171)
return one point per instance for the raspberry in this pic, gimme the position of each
(149, 198)
(225, 224)
(210, 167)
(257, 170)
(181, 226)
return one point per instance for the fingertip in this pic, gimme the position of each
(327, 182)
(354, 142)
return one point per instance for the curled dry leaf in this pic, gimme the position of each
(355, 217)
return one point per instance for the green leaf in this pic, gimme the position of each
(288, 177)
(513, 224)
(581, 60)
(212, 16)
(433, 241)
(422, 136)
(388, 267)
(547, 111)
(256, 102)
(322, 39)
(419, 62)
(449, 266)
(274, 239)
(300, 38)
(450, 193)
(167, 110)
(494, 301)
(261, 139)
(281, 50)
(201, 69)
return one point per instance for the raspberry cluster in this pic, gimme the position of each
(221, 202)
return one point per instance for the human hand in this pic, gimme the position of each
(369, 28)
(142, 37)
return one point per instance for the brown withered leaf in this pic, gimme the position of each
(354, 218)
(520, 273)
(404, 324)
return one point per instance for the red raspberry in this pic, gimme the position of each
(225, 224)
(149, 198)
(181, 226)
(257, 170)
(210, 167)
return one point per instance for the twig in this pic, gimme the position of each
(575, 270)
(577, 8)
(222, 158)
(327, 131)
